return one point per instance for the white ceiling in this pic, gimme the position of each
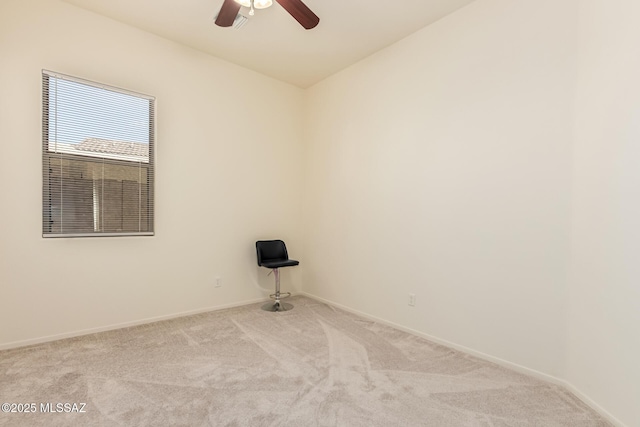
(272, 42)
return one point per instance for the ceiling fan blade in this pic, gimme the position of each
(228, 13)
(300, 12)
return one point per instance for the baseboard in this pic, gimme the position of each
(514, 366)
(73, 334)
(593, 404)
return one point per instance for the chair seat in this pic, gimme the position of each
(277, 263)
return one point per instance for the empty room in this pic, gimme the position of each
(457, 183)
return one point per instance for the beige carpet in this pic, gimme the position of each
(312, 366)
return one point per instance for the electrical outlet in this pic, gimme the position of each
(412, 300)
(218, 282)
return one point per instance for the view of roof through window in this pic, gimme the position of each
(114, 125)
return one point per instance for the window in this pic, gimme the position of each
(97, 159)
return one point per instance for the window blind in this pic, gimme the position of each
(97, 159)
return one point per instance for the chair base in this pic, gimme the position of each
(277, 306)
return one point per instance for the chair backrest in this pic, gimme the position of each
(271, 250)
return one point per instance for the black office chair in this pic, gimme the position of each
(273, 254)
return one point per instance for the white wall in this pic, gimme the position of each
(226, 137)
(441, 167)
(603, 345)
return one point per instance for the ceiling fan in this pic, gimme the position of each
(296, 8)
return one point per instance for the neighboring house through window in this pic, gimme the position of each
(98, 159)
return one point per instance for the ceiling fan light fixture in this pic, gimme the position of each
(258, 4)
(262, 4)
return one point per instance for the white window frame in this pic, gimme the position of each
(95, 153)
